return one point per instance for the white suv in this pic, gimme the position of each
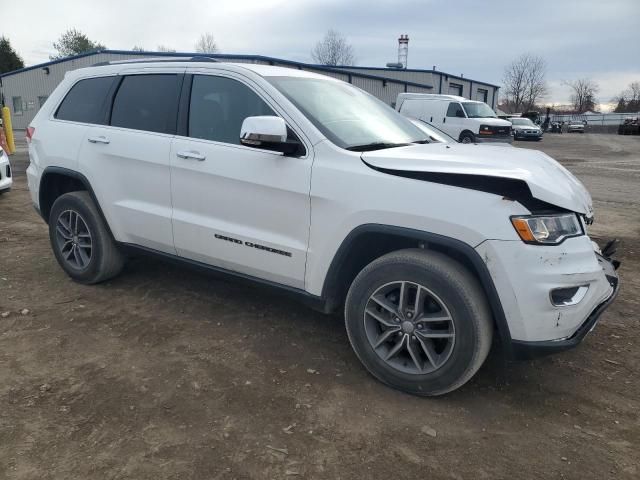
(307, 183)
(5, 172)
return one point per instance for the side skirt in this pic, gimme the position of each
(313, 301)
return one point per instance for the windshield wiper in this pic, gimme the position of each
(375, 146)
(420, 142)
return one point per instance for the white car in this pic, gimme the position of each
(306, 183)
(468, 121)
(575, 126)
(6, 179)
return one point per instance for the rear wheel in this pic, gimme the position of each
(419, 322)
(80, 240)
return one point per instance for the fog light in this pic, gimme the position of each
(565, 297)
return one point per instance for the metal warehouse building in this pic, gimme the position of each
(24, 91)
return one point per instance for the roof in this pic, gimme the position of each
(222, 56)
(436, 96)
(421, 71)
(338, 69)
(118, 66)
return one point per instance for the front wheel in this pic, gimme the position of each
(80, 240)
(419, 322)
(467, 137)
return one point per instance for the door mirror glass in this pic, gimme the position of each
(460, 113)
(268, 133)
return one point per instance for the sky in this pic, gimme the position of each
(597, 39)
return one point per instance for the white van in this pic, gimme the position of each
(468, 121)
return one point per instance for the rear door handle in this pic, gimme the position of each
(191, 156)
(100, 139)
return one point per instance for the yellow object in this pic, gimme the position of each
(523, 229)
(8, 129)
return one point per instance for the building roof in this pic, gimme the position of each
(231, 57)
(420, 71)
(222, 56)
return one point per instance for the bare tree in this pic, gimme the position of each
(524, 82)
(137, 48)
(583, 97)
(164, 48)
(629, 100)
(333, 49)
(206, 44)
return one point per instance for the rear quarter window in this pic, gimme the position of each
(85, 102)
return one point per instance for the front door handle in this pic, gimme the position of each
(188, 155)
(100, 139)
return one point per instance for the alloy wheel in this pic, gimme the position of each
(73, 239)
(409, 327)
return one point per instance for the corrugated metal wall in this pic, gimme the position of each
(404, 75)
(32, 86)
(469, 87)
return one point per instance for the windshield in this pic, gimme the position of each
(349, 117)
(478, 110)
(522, 121)
(435, 134)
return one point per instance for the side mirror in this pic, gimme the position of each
(268, 133)
(460, 114)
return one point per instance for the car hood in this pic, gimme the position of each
(494, 122)
(525, 127)
(548, 181)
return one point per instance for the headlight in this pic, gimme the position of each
(547, 229)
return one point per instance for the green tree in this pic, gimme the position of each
(621, 107)
(74, 42)
(9, 59)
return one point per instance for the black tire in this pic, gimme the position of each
(467, 137)
(104, 259)
(455, 287)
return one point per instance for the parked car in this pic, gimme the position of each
(307, 183)
(6, 179)
(467, 121)
(630, 126)
(525, 129)
(575, 126)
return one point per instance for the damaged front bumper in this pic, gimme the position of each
(522, 350)
(527, 277)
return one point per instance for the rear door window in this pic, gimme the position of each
(147, 102)
(85, 101)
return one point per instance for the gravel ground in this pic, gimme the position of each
(165, 373)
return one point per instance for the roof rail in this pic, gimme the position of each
(157, 59)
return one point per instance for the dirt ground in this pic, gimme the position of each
(166, 373)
